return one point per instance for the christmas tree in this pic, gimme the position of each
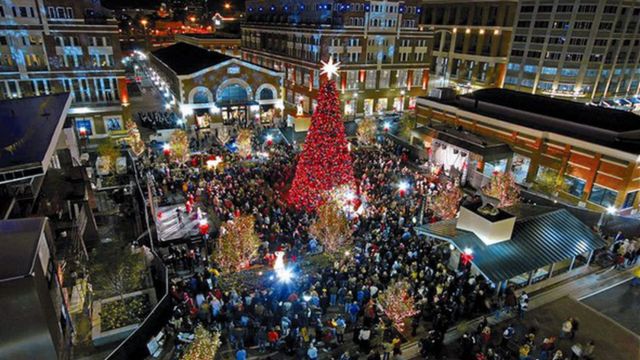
(325, 162)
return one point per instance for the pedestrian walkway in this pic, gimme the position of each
(576, 289)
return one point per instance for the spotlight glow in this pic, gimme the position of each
(284, 275)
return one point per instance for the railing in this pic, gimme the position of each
(135, 345)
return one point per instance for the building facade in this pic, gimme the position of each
(384, 52)
(53, 46)
(472, 41)
(582, 50)
(228, 44)
(216, 88)
(586, 156)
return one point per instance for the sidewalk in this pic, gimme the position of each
(576, 289)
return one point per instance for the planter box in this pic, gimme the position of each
(100, 337)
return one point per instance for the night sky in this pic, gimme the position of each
(212, 4)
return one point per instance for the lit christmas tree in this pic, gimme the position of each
(325, 162)
(398, 305)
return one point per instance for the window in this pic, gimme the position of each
(3, 40)
(52, 12)
(69, 13)
(524, 24)
(549, 70)
(513, 67)
(23, 11)
(574, 185)
(385, 75)
(569, 72)
(511, 80)
(371, 79)
(630, 199)
(1, 11)
(564, 8)
(602, 196)
(530, 69)
(545, 8)
(583, 25)
(526, 9)
(591, 73)
(520, 38)
(401, 76)
(84, 126)
(541, 24)
(113, 123)
(520, 167)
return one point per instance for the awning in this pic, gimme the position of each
(489, 149)
(537, 241)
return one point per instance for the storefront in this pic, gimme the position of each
(468, 157)
(520, 245)
(229, 90)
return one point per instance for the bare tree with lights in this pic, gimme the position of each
(237, 245)
(397, 304)
(331, 228)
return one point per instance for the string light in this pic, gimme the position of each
(325, 163)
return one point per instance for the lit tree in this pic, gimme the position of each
(237, 244)
(325, 162)
(331, 227)
(179, 144)
(503, 187)
(243, 141)
(205, 345)
(133, 139)
(446, 204)
(549, 181)
(367, 130)
(109, 153)
(397, 304)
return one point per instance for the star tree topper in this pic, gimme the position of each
(330, 68)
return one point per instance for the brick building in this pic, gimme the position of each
(592, 152)
(385, 53)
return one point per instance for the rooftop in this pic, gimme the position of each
(215, 35)
(175, 56)
(489, 148)
(569, 111)
(19, 239)
(541, 236)
(29, 130)
(615, 129)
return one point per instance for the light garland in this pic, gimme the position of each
(237, 245)
(325, 163)
(503, 187)
(331, 228)
(397, 304)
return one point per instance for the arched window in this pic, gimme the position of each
(266, 94)
(233, 94)
(201, 96)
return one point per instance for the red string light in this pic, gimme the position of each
(325, 162)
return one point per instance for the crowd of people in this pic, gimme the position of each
(158, 120)
(327, 302)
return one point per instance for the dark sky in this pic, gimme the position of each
(212, 4)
